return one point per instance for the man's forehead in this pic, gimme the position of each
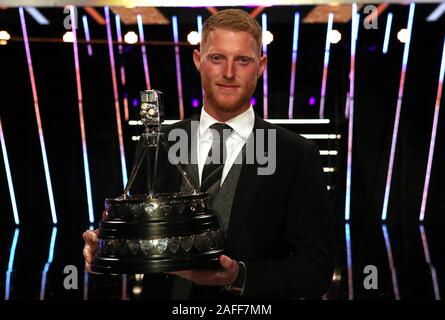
(212, 42)
(224, 32)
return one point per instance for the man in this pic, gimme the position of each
(278, 240)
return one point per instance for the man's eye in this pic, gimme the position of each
(244, 60)
(216, 58)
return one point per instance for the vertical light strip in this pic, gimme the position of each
(39, 122)
(350, 99)
(357, 25)
(391, 263)
(144, 53)
(199, 23)
(116, 97)
(8, 176)
(48, 263)
(294, 64)
(327, 50)
(349, 262)
(178, 67)
(122, 67)
(117, 19)
(433, 135)
(11, 263)
(398, 110)
(86, 166)
(426, 251)
(387, 33)
(87, 35)
(265, 87)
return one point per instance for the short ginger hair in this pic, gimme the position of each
(233, 20)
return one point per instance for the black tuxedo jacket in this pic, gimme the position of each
(280, 225)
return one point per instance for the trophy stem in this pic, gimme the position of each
(151, 190)
(134, 171)
(179, 166)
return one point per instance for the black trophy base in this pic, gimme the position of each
(207, 260)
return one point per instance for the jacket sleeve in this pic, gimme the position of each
(308, 268)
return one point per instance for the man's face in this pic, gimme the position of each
(230, 66)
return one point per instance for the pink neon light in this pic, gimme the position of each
(178, 67)
(398, 110)
(38, 119)
(126, 113)
(391, 263)
(82, 123)
(265, 81)
(116, 98)
(122, 67)
(426, 251)
(433, 136)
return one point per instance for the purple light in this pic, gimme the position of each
(312, 101)
(178, 67)
(135, 102)
(38, 118)
(116, 97)
(82, 121)
(294, 63)
(349, 108)
(398, 112)
(253, 102)
(433, 135)
(195, 103)
(265, 87)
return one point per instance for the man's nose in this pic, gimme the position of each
(229, 72)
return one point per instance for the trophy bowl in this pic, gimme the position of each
(161, 233)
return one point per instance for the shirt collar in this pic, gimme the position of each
(242, 124)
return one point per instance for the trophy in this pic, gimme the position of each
(158, 231)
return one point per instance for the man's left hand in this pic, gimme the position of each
(221, 277)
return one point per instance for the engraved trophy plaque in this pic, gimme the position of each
(157, 232)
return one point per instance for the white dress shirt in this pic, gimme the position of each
(242, 126)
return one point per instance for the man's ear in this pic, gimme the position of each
(262, 66)
(197, 59)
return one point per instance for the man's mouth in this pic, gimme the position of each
(227, 86)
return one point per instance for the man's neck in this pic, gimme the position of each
(223, 116)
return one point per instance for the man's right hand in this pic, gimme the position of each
(89, 250)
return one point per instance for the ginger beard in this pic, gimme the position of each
(227, 100)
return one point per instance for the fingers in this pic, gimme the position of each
(90, 236)
(226, 262)
(87, 253)
(91, 240)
